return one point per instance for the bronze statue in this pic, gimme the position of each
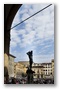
(30, 58)
(29, 70)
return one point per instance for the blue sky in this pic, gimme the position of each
(35, 34)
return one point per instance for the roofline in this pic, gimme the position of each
(45, 63)
(12, 55)
(37, 66)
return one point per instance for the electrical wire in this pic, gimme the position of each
(30, 16)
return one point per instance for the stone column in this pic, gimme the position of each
(6, 54)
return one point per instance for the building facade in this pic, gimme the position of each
(11, 65)
(47, 70)
(53, 68)
(42, 70)
(38, 71)
(20, 69)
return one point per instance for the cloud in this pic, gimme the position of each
(15, 39)
(43, 58)
(35, 31)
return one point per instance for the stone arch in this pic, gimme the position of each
(10, 11)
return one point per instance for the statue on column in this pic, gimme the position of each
(30, 54)
(29, 70)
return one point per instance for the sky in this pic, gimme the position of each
(36, 34)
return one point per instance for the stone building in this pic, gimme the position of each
(47, 70)
(42, 70)
(38, 71)
(53, 68)
(20, 68)
(11, 65)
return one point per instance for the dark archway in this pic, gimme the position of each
(10, 11)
